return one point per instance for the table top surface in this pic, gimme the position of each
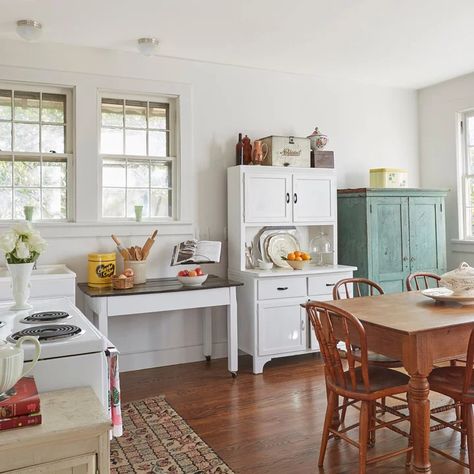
(65, 413)
(158, 285)
(408, 312)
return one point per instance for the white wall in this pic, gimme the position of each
(368, 126)
(438, 106)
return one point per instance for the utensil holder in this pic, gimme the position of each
(139, 270)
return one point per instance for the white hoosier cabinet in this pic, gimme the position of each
(265, 200)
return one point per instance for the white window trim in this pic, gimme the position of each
(174, 157)
(86, 89)
(69, 152)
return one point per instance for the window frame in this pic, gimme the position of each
(173, 151)
(69, 144)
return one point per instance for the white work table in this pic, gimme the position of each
(167, 294)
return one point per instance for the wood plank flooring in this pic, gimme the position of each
(269, 423)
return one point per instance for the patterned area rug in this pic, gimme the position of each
(156, 440)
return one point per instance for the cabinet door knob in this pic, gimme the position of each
(295, 198)
(330, 284)
(405, 259)
(287, 198)
(282, 288)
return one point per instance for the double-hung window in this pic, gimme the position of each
(138, 153)
(35, 152)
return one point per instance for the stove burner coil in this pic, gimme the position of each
(45, 316)
(48, 333)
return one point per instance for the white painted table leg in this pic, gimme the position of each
(99, 307)
(207, 333)
(232, 342)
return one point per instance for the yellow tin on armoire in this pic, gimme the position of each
(101, 267)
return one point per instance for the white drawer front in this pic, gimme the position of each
(281, 288)
(323, 284)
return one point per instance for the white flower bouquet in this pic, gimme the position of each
(22, 244)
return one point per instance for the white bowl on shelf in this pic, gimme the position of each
(192, 281)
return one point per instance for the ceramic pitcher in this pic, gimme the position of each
(12, 362)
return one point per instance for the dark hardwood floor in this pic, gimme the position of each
(269, 423)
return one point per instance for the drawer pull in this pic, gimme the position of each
(330, 284)
(282, 288)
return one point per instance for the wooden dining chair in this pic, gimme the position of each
(422, 281)
(458, 384)
(364, 383)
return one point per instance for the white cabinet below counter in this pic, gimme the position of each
(271, 321)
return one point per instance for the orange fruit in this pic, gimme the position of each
(291, 256)
(299, 259)
(297, 253)
(306, 257)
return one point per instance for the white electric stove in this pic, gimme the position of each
(73, 351)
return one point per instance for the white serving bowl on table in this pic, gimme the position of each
(192, 281)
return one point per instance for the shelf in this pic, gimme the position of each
(311, 270)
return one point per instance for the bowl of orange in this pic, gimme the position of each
(297, 260)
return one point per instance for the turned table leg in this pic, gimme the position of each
(419, 405)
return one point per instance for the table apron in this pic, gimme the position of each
(153, 302)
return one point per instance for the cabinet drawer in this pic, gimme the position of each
(281, 288)
(323, 284)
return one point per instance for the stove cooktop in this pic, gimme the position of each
(60, 326)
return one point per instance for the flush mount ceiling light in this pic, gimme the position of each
(147, 46)
(30, 30)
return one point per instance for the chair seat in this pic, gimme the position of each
(380, 378)
(449, 381)
(378, 359)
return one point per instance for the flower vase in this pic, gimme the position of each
(21, 275)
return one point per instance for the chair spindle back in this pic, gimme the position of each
(358, 286)
(323, 316)
(422, 281)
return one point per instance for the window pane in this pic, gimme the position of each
(160, 203)
(135, 114)
(54, 204)
(158, 116)
(112, 112)
(5, 105)
(111, 141)
(53, 108)
(54, 173)
(26, 137)
(26, 172)
(5, 136)
(137, 197)
(113, 202)
(6, 203)
(157, 143)
(138, 174)
(26, 197)
(52, 138)
(27, 106)
(113, 173)
(161, 175)
(6, 171)
(135, 142)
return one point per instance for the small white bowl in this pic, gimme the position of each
(192, 281)
(265, 265)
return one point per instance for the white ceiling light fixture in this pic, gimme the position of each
(29, 30)
(147, 46)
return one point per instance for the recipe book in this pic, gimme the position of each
(196, 252)
(23, 401)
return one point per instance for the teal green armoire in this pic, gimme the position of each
(389, 233)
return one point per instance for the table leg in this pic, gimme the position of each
(232, 344)
(207, 333)
(98, 306)
(419, 404)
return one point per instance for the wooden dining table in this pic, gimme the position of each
(419, 332)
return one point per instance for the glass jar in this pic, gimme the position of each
(320, 246)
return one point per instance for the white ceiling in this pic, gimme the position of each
(407, 43)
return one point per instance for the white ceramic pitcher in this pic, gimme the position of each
(12, 362)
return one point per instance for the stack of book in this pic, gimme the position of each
(22, 406)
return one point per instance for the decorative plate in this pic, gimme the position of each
(446, 295)
(265, 233)
(281, 245)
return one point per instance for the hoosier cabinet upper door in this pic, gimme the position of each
(314, 198)
(267, 197)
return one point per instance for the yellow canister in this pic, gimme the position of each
(101, 267)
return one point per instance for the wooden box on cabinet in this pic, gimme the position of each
(271, 322)
(390, 233)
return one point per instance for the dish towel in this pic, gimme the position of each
(115, 411)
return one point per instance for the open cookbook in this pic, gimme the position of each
(196, 252)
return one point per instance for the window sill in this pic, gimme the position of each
(462, 245)
(59, 230)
